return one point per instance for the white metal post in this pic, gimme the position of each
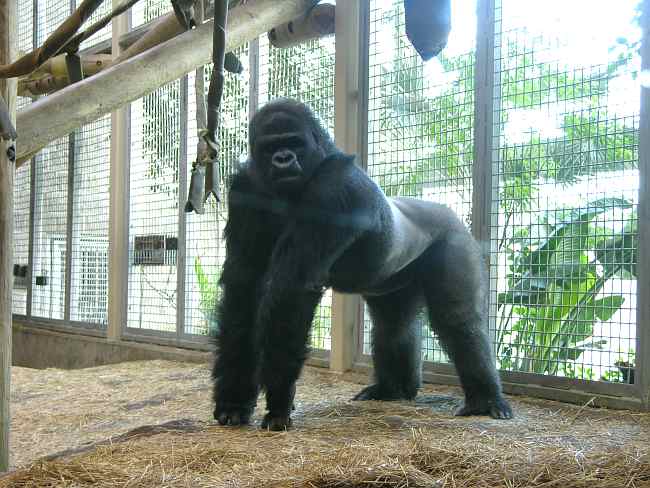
(484, 206)
(349, 131)
(118, 228)
(642, 378)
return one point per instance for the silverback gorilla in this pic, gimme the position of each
(303, 217)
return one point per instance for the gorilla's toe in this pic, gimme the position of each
(232, 416)
(368, 393)
(376, 392)
(497, 408)
(276, 422)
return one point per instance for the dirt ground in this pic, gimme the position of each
(76, 428)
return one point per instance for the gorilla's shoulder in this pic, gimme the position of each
(341, 157)
(240, 179)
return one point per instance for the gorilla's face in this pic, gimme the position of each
(285, 151)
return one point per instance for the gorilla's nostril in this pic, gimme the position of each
(283, 159)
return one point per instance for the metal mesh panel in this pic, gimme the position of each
(306, 73)
(205, 246)
(51, 14)
(21, 238)
(148, 10)
(50, 215)
(155, 151)
(565, 194)
(105, 33)
(25, 29)
(89, 291)
(420, 120)
(24, 19)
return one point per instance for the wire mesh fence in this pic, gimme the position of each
(420, 121)
(304, 72)
(51, 14)
(22, 194)
(148, 10)
(565, 189)
(22, 184)
(104, 33)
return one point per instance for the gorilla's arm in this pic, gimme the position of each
(334, 212)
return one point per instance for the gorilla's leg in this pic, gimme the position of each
(396, 346)
(454, 290)
(285, 335)
(237, 360)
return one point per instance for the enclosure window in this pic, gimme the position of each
(21, 239)
(89, 290)
(148, 10)
(205, 246)
(105, 33)
(22, 185)
(304, 72)
(565, 188)
(51, 14)
(420, 120)
(153, 217)
(50, 230)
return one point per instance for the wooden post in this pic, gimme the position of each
(8, 92)
(350, 131)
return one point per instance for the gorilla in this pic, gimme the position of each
(303, 217)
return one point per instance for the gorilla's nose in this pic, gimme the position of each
(283, 159)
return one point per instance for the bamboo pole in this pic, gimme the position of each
(56, 115)
(8, 93)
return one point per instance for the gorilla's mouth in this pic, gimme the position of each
(287, 175)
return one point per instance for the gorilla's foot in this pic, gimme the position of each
(276, 422)
(233, 415)
(377, 392)
(497, 408)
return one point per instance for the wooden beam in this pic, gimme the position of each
(56, 115)
(8, 93)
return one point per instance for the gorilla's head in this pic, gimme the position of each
(287, 144)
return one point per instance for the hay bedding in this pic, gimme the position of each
(148, 425)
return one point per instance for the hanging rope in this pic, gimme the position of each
(205, 175)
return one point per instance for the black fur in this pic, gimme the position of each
(303, 217)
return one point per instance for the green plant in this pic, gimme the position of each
(208, 295)
(550, 308)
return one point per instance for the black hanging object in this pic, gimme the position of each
(184, 11)
(195, 197)
(75, 70)
(211, 181)
(7, 129)
(428, 23)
